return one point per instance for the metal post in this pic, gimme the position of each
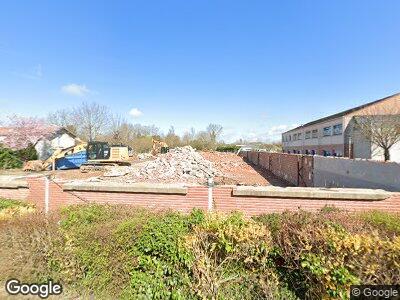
(46, 194)
(210, 184)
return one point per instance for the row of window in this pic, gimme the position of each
(332, 152)
(313, 134)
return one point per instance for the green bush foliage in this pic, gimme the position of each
(385, 221)
(28, 153)
(227, 148)
(8, 203)
(129, 253)
(9, 160)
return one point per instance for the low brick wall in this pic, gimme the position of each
(224, 201)
(196, 197)
(17, 190)
(14, 193)
(249, 200)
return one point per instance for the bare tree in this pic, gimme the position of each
(117, 128)
(63, 118)
(380, 126)
(214, 130)
(189, 136)
(172, 139)
(92, 119)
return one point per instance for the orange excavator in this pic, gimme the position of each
(159, 147)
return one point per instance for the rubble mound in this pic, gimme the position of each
(182, 164)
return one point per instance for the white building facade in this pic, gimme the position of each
(335, 135)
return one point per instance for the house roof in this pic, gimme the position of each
(341, 114)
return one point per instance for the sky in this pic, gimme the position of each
(256, 67)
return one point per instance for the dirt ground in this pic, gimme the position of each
(238, 172)
(234, 170)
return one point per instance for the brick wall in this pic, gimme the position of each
(14, 193)
(295, 169)
(197, 197)
(225, 202)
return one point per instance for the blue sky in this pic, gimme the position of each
(256, 67)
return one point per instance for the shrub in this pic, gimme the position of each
(9, 160)
(100, 243)
(8, 203)
(231, 259)
(319, 257)
(383, 220)
(12, 208)
(28, 153)
(106, 251)
(227, 148)
(31, 248)
(163, 265)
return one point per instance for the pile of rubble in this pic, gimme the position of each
(182, 164)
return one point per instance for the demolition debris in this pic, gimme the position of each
(182, 164)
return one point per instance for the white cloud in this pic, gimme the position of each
(275, 131)
(136, 113)
(75, 89)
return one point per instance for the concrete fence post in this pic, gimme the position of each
(210, 184)
(46, 194)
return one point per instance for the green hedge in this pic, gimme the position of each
(130, 253)
(227, 148)
(10, 159)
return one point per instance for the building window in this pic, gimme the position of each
(337, 129)
(308, 135)
(295, 137)
(327, 131)
(315, 133)
(299, 136)
(290, 137)
(326, 153)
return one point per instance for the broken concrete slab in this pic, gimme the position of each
(13, 184)
(312, 193)
(151, 188)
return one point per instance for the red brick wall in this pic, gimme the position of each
(197, 197)
(15, 194)
(225, 202)
(294, 168)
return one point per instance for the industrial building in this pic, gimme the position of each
(336, 135)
